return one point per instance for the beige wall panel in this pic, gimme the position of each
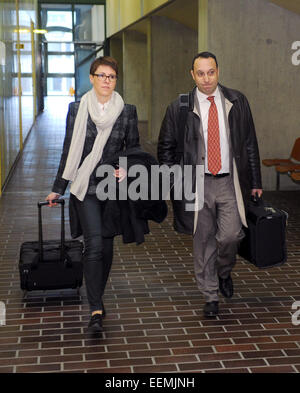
(122, 13)
(173, 47)
(202, 25)
(135, 71)
(252, 40)
(10, 121)
(112, 16)
(116, 51)
(27, 13)
(130, 12)
(150, 5)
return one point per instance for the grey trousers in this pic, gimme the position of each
(218, 233)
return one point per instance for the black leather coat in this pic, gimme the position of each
(243, 144)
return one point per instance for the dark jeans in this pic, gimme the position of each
(98, 251)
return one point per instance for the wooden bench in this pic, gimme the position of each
(295, 176)
(285, 165)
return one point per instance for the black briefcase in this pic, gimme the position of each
(264, 243)
(52, 264)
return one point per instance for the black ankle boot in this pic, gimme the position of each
(95, 324)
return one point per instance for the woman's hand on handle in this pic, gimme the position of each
(51, 197)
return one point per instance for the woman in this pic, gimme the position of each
(98, 127)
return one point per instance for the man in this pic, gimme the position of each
(219, 134)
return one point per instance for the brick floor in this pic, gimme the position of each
(154, 319)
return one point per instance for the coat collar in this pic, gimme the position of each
(229, 94)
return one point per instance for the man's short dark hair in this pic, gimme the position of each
(104, 60)
(204, 55)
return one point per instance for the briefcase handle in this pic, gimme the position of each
(61, 201)
(257, 200)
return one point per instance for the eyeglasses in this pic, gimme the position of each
(104, 77)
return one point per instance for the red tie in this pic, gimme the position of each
(213, 139)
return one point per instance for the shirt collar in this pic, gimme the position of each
(203, 97)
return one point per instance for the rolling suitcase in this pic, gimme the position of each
(264, 243)
(52, 264)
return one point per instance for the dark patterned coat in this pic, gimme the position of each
(124, 135)
(127, 218)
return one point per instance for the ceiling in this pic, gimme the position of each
(291, 5)
(188, 15)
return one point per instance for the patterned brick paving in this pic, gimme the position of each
(154, 317)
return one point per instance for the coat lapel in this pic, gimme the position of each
(199, 196)
(227, 105)
(197, 111)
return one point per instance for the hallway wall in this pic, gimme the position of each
(116, 51)
(170, 63)
(16, 101)
(155, 66)
(9, 105)
(252, 40)
(135, 89)
(121, 13)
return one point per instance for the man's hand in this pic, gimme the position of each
(259, 191)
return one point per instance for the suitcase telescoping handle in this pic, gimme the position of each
(62, 237)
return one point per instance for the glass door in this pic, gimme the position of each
(59, 66)
(89, 36)
(74, 38)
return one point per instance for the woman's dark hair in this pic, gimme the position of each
(104, 60)
(205, 55)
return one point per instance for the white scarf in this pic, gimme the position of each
(89, 105)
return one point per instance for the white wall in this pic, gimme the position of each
(252, 40)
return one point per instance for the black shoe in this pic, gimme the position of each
(95, 324)
(211, 309)
(226, 286)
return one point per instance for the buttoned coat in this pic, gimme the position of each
(124, 135)
(126, 218)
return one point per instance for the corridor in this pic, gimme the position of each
(154, 319)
